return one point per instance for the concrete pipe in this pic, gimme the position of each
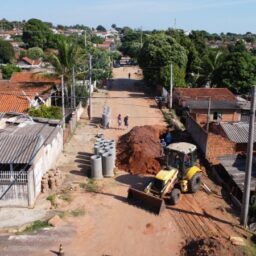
(98, 148)
(96, 167)
(106, 148)
(102, 151)
(105, 121)
(107, 165)
(112, 151)
(112, 142)
(98, 140)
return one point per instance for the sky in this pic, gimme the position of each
(214, 16)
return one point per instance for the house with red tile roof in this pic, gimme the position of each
(27, 63)
(107, 45)
(221, 103)
(24, 90)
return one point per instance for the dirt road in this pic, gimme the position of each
(110, 226)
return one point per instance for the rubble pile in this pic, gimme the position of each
(139, 151)
(209, 246)
(51, 180)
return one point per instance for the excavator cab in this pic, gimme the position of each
(181, 156)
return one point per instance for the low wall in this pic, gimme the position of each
(198, 134)
(71, 125)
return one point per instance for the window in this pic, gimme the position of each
(217, 116)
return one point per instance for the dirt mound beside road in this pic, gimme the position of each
(138, 151)
(210, 246)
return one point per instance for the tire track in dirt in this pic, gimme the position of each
(193, 221)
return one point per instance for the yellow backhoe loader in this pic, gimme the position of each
(182, 175)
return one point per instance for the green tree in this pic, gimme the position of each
(101, 64)
(67, 57)
(97, 39)
(199, 38)
(237, 72)
(116, 55)
(101, 28)
(238, 47)
(35, 53)
(36, 33)
(8, 70)
(208, 70)
(131, 44)
(6, 25)
(7, 54)
(156, 56)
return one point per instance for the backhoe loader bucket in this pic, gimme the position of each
(146, 201)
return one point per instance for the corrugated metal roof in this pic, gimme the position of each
(235, 166)
(46, 131)
(237, 132)
(18, 149)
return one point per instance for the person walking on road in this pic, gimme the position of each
(129, 75)
(126, 121)
(119, 121)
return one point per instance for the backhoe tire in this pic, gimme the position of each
(175, 196)
(195, 183)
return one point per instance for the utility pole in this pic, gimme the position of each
(171, 86)
(141, 43)
(63, 101)
(208, 114)
(85, 39)
(248, 166)
(90, 85)
(71, 93)
(74, 87)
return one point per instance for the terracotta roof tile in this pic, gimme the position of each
(223, 94)
(30, 88)
(13, 103)
(28, 77)
(11, 92)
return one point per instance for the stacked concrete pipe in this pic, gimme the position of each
(106, 151)
(107, 165)
(96, 167)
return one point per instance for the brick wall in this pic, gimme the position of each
(201, 116)
(219, 146)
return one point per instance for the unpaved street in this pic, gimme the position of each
(109, 225)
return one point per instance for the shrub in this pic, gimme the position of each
(52, 112)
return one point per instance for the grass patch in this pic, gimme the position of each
(82, 185)
(92, 186)
(66, 197)
(52, 198)
(167, 118)
(77, 212)
(62, 214)
(36, 225)
(250, 249)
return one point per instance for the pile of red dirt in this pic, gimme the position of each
(139, 151)
(210, 246)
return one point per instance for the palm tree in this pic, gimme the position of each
(211, 63)
(69, 55)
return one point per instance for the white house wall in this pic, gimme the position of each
(45, 161)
